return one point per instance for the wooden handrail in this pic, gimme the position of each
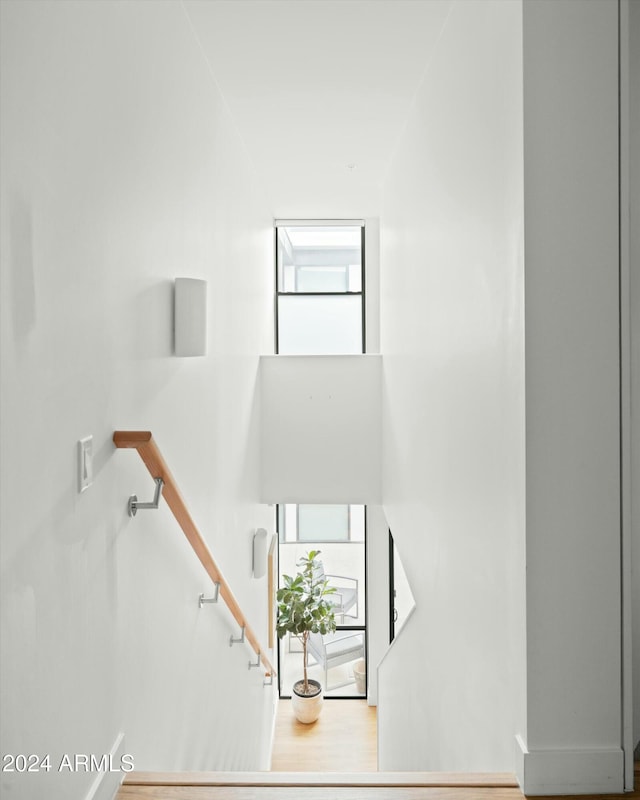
(144, 443)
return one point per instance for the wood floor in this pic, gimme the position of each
(344, 739)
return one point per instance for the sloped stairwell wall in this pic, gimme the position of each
(121, 169)
(451, 689)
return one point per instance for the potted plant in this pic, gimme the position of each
(304, 608)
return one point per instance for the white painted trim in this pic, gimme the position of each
(107, 784)
(625, 404)
(320, 356)
(329, 222)
(521, 749)
(569, 772)
(274, 706)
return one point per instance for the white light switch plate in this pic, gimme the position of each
(85, 463)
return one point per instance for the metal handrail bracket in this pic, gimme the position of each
(257, 662)
(239, 640)
(202, 599)
(134, 505)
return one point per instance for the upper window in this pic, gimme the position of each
(321, 523)
(320, 283)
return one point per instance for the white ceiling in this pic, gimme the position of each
(318, 85)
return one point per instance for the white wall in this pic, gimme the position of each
(451, 690)
(572, 738)
(320, 429)
(120, 171)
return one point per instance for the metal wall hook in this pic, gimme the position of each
(270, 681)
(233, 641)
(134, 505)
(202, 599)
(257, 664)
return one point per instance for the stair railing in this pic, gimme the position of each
(144, 443)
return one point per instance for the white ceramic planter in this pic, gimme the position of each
(307, 709)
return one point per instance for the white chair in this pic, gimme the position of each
(334, 649)
(345, 596)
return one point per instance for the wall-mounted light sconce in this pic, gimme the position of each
(190, 317)
(259, 553)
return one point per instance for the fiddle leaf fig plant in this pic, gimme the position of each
(304, 606)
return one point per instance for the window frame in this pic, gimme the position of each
(314, 223)
(282, 524)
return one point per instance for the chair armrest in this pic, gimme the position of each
(343, 578)
(339, 645)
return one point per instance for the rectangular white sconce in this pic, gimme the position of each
(190, 317)
(259, 553)
(85, 463)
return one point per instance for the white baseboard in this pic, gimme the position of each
(107, 784)
(556, 772)
(276, 701)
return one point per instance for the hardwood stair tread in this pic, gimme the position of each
(248, 792)
(324, 779)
